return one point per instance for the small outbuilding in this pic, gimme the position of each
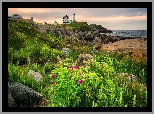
(55, 23)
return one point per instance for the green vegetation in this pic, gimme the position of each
(93, 85)
(82, 26)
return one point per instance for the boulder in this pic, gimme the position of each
(129, 77)
(52, 32)
(23, 95)
(83, 58)
(62, 30)
(72, 37)
(11, 102)
(69, 32)
(42, 29)
(42, 103)
(109, 31)
(66, 51)
(96, 33)
(59, 34)
(37, 76)
(97, 42)
(76, 31)
(80, 33)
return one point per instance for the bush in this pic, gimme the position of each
(91, 86)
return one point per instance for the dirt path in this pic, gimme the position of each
(135, 48)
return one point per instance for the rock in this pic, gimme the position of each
(80, 33)
(23, 95)
(129, 77)
(37, 75)
(42, 29)
(59, 34)
(83, 58)
(69, 32)
(109, 31)
(81, 41)
(42, 103)
(72, 37)
(94, 50)
(66, 51)
(11, 102)
(89, 33)
(92, 35)
(52, 33)
(97, 42)
(96, 33)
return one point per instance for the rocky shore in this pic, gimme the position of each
(135, 48)
(99, 41)
(92, 37)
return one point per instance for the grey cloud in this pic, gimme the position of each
(136, 12)
(49, 15)
(106, 12)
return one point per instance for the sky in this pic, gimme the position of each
(110, 18)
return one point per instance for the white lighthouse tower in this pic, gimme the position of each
(74, 17)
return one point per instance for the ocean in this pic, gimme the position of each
(129, 33)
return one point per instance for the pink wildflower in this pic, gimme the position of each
(53, 82)
(79, 81)
(90, 62)
(53, 76)
(74, 67)
(80, 73)
(85, 68)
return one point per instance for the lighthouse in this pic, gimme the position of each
(74, 17)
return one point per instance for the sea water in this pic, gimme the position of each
(129, 33)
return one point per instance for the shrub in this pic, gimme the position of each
(92, 85)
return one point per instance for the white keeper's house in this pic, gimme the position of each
(66, 19)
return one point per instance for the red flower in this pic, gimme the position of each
(79, 81)
(53, 82)
(90, 62)
(53, 76)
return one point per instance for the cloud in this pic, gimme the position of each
(109, 16)
(113, 18)
(106, 12)
(33, 10)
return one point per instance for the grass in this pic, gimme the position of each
(95, 85)
(78, 26)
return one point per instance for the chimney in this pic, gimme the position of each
(32, 19)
